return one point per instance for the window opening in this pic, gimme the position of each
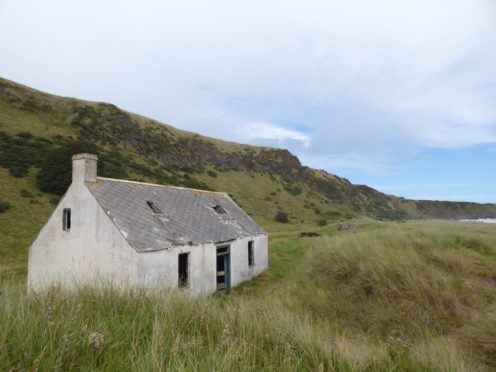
(154, 208)
(66, 219)
(251, 253)
(183, 259)
(219, 209)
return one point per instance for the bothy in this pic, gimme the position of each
(143, 235)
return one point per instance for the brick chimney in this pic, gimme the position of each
(84, 168)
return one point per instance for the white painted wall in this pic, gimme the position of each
(160, 269)
(240, 271)
(92, 250)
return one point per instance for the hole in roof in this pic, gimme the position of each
(154, 208)
(219, 209)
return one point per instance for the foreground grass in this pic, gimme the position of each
(416, 296)
(112, 331)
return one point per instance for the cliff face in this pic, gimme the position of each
(263, 180)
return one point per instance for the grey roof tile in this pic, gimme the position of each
(188, 215)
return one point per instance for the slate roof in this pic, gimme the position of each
(155, 217)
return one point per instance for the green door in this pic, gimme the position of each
(223, 268)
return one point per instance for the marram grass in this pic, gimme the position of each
(410, 297)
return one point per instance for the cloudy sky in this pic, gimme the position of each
(399, 95)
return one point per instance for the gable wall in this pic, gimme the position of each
(93, 250)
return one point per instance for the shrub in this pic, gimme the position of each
(54, 201)
(321, 222)
(56, 170)
(18, 153)
(293, 190)
(26, 194)
(282, 217)
(25, 134)
(4, 206)
(211, 173)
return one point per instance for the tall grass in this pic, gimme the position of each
(406, 285)
(409, 297)
(111, 330)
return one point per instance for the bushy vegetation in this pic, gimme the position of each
(281, 217)
(18, 153)
(4, 206)
(415, 297)
(55, 174)
(26, 193)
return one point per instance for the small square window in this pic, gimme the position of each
(251, 253)
(66, 219)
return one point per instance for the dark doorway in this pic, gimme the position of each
(183, 269)
(223, 268)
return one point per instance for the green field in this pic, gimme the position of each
(387, 296)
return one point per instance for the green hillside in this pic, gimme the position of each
(38, 130)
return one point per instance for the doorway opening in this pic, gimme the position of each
(223, 268)
(183, 259)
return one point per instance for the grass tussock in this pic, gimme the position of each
(399, 282)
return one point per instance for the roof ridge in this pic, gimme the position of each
(167, 186)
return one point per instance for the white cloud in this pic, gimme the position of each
(266, 131)
(371, 81)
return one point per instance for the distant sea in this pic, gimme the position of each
(485, 220)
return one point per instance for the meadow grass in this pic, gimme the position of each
(418, 296)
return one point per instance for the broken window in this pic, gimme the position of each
(251, 253)
(66, 219)
(156, 210)
(219, 209)
(183, 270)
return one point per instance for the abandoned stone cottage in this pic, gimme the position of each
(136, 234)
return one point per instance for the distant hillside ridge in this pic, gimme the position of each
(264, 181)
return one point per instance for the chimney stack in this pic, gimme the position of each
(84, 168)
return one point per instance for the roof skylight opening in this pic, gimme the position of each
(219, 209)
(156, 210)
